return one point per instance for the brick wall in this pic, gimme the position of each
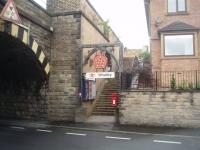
(158, 58)
(57, 6)
(160, 108)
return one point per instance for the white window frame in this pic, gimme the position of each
(177, 7)
(171, 55)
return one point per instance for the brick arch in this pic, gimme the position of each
(22, 34)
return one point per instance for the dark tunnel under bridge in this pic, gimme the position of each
(24, 72)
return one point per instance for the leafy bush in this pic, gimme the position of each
(145, 55)
(198, 85)
(184, 86)
(173, 83)
(191, 85)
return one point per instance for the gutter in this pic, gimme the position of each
(147, 11)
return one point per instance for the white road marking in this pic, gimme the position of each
(118, 138)
(167, 142)
(123, 132)
(48, 131)
(79, 134)
(21, 128)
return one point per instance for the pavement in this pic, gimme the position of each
(101, 119)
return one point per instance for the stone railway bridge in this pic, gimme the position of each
(40, 59)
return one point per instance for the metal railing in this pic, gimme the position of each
(163, 80)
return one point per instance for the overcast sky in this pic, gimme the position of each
(126, 18)
(42, 2)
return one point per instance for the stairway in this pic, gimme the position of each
(104, 104)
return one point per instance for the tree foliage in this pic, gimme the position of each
(145, 55)
(106, 27)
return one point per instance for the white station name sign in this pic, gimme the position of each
(99, 75)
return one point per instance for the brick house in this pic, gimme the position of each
(174, 34)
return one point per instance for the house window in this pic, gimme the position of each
(176, 6)
(179, 45)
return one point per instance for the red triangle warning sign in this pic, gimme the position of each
(10, 12)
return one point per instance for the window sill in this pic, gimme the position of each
(177, 14)
(179, 57)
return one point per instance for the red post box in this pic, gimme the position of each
(114, 99)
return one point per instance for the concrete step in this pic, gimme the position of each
(103, 99)
(106, 95)
(103, 113)
(109, 107)
(109, 92)
(104, 110)
(105, 107)
(104, 104)
(111, 89)
(112, 85)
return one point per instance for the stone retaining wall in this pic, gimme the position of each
(160, 108)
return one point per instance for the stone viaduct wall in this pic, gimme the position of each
(39, 22)
(64, 79)
(30, 105)
(160, 108)
(72, 24)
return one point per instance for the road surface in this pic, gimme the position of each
(61, 138)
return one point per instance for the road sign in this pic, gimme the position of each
(105, 75)
(90, 76)
(99, 75)
(100, 61)
(10, 12)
